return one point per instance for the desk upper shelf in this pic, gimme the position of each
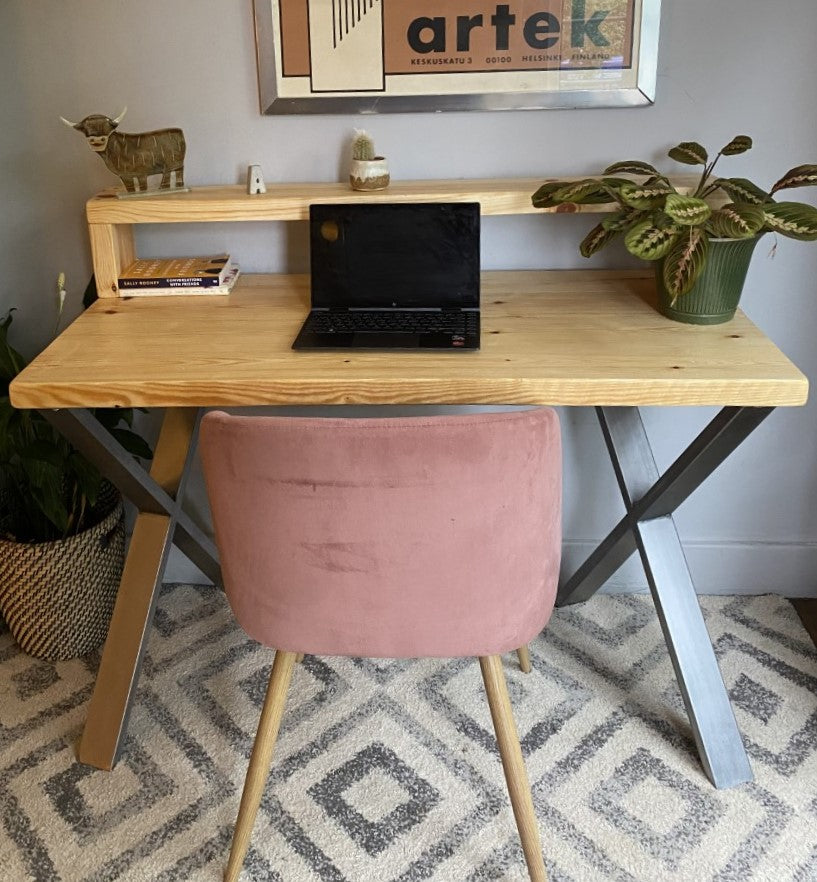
(284, 202)
(111, 220)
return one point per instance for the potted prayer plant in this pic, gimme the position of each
(367, 171)
(62, 526)
(701, 242)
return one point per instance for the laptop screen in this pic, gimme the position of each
(395, 255)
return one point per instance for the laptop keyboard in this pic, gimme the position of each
(394, 321)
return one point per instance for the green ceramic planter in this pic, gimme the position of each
(714, 297)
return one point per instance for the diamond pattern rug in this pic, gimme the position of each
(388, 770)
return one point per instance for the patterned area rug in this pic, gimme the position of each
(388, 770)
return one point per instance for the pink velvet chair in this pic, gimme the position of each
(396, 537)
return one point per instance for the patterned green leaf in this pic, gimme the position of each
(742, 190)
(649, 242)
(585, 191)
(792, 219)
(660, 179)
(661, 219)
(684, 262)
(644, 195)
(630, 166)
(801, 176)
(687, 210)
(601, 197)
(615, 183)
(738, 144)
(542, 198)
(690, 153)
(622, 220)
(595, 240)
(739, 221)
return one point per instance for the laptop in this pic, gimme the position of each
(393, 276)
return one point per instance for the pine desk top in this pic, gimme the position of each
(563, 337)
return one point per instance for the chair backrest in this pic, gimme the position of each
(387, 537)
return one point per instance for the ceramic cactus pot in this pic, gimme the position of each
(369, 174)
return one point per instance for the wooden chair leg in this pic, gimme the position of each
(524, 659)
(299, 658)
(516, 775)
(260, 759)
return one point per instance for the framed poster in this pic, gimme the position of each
(373, 56)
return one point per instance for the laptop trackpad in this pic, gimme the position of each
(392, 340)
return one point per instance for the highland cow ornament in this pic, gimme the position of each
(133, 157)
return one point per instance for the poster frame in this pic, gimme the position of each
(642, 93)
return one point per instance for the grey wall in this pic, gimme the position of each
(724, 68)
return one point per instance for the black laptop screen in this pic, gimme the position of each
(390, 255)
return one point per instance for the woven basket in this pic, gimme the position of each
(57, 597)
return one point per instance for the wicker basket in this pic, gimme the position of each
(57, 597)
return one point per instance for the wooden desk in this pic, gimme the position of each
(562, 338)
(559, 338)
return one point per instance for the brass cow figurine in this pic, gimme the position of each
(132, 157)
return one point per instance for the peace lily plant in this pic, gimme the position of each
(48, 490)
(660, 224)
(62, 531)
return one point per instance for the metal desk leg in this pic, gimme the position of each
(648, 526)
(160, 523)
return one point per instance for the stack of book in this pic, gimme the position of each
(179, 275)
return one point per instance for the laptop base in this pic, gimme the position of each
(391, 340)
(389, 329)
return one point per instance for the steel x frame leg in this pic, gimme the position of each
(648, 527)
(159, 524)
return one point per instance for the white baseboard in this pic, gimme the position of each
(788, 569)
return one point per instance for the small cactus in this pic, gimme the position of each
(367, 171)
(362, 146)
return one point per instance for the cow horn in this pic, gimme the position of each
(121, 115)
(72, 125)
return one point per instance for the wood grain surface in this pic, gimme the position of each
(292, 201)
(570, 337)
(111, 220)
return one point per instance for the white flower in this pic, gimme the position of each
(60, 293)
(60, 300)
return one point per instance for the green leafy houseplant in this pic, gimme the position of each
(660, 224)
(47, 489)
(62, 530)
